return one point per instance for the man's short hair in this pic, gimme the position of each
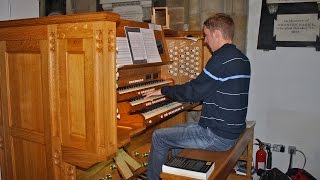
(222, 22)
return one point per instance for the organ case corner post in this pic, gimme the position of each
(54, 100)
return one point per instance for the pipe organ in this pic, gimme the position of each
(67, 108)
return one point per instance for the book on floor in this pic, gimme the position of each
(193, 168)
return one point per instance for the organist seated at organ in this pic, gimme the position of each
(223, 86)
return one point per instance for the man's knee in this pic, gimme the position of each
(157, 136)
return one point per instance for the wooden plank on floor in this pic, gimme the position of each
(128, 159)
(123, 167)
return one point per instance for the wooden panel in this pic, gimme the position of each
(25, 87)
(23, 33)
(75, 44)
(75, 30)
(29, 160)
(73, 103)
(72, 18)
(23, 46)
(102, 170)
(76, 90)
(141, 154)
(136, 75)
(24, 106)
(81, 158)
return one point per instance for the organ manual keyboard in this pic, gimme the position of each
(134, 109)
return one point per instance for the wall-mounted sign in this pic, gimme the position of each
(289, 24)
(296, 27)
(290, 1)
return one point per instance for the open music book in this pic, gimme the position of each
(138, 47)
(193, 168)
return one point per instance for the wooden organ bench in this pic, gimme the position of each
(224, 161)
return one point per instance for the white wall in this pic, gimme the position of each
(17, 9)
(4, 10)
(24, 9)
(285, 97)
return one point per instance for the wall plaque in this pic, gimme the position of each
(290, 23)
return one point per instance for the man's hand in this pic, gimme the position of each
(153, 93)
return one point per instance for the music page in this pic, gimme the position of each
(150, 45)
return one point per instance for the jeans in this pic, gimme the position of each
(176, 138)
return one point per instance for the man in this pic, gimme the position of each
(223, 86)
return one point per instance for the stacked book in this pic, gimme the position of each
(193, 168)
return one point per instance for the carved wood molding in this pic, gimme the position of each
(69, 171)
(23, 46)
(56, 157)
(111, 40)
(99, 40)
(1, 142)
(52, 42)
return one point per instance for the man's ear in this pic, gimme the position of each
(217, 34)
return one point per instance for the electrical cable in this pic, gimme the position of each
(290, 161)
(305, 159)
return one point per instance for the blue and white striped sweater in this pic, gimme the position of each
(223, 87)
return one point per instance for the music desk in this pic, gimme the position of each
(224, 161)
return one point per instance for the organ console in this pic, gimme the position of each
(182, 61)
(66, 105)
(134, 81)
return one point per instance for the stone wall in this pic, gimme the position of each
(190, 15)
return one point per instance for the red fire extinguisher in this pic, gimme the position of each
(261, 156)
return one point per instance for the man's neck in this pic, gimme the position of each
(223, 42)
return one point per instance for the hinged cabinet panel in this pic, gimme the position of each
(58, 95)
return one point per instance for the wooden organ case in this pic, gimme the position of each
(58, 94)
(66, 108)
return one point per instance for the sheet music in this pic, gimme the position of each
(150, 45)
(123, 51)
(137, 47)
(143, 45)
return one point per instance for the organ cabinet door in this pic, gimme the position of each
(25, 102)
